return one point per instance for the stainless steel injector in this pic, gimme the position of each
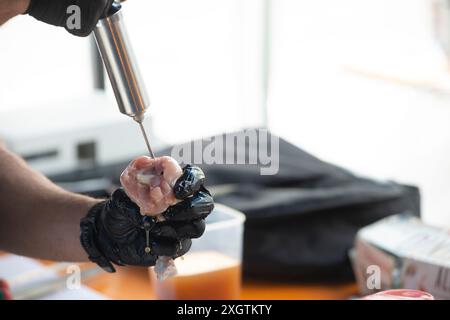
(120, 63)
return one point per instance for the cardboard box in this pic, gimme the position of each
(402, 252)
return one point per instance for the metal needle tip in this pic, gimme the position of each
(146, 140)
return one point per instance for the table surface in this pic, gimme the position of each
(134, 283)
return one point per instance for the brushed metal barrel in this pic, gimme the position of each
(121, 66)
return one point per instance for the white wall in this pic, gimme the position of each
(41, 63)
(375, 127)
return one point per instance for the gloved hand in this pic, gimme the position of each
(54, 12)
(115, 231)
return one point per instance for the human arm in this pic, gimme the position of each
(38, 218)
(12, 8)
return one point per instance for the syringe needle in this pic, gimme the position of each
(146, 140)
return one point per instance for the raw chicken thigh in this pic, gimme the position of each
(149, 183)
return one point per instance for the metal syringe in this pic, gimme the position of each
(120, 63)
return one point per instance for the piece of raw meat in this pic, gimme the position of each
(149, 183)
(165, 268)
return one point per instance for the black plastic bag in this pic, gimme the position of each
(302, 221)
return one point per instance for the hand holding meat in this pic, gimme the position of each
(159, 210)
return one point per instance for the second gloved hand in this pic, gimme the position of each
(55, 12)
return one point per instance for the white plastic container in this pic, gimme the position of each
(212, 267)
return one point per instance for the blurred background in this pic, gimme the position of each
(362, 84)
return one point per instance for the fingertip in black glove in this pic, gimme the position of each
(114, 231)
(55, 12)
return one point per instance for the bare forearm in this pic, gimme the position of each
(37, 218)
(12, 8)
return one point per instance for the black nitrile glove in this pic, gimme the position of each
(54, 12)
(115, 231)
